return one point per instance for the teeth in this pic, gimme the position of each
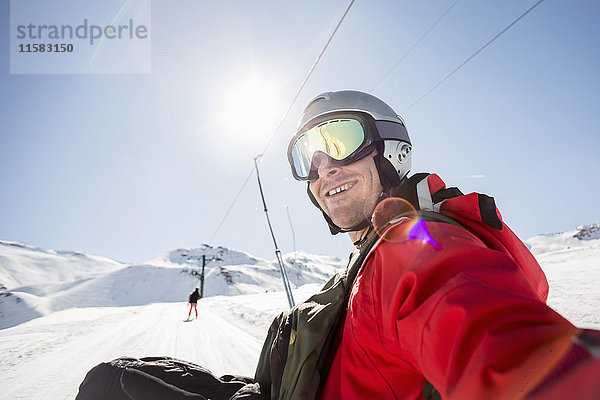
(340, 189)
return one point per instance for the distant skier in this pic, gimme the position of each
(193, 300)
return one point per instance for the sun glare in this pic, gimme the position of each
(251, 110)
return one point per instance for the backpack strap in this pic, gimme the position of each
(434, 216)
(444, 194)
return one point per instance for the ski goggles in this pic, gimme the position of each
(342, 140)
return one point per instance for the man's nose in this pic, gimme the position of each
(324, 166)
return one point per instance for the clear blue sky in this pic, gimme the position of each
(129, 166)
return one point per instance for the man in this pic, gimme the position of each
(439, 306)
(193, 300)
(440, 300)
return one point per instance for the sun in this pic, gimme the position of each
(251, 110)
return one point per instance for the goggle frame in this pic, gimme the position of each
(363, 149)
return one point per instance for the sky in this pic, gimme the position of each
(131, 165)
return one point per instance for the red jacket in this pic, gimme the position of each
(453, 311)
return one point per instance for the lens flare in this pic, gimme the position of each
(388, 211)
(419, 231)
(392, 210)
(320, 160)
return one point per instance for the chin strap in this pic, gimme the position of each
(362, 240)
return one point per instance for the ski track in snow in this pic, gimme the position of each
(48, 357)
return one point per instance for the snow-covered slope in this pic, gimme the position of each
(571, 261)
(30, 276)
(60, 348)
(36, 282)
(22, 265)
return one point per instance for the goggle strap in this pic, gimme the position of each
(388, 130)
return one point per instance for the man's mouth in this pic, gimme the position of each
(340, 189)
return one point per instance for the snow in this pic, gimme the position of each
(571, 261)
(61, 313)
(35, 282)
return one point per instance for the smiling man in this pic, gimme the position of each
(440, 300)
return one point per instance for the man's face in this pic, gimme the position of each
(348, 194)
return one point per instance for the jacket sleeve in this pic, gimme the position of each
(464, 315)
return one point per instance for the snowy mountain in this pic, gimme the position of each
(31, 277)
(36, 282)
(61, 313)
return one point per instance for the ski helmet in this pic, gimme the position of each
(377, 126)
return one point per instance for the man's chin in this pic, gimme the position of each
(346, 217)
(343, 223)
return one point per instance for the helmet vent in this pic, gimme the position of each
(322, 96)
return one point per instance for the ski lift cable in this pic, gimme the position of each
(235, 199)
(471, 57)
(312, 68)
(414, 45)
(287, 210)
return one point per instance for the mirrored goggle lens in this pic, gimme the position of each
(336, 138)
